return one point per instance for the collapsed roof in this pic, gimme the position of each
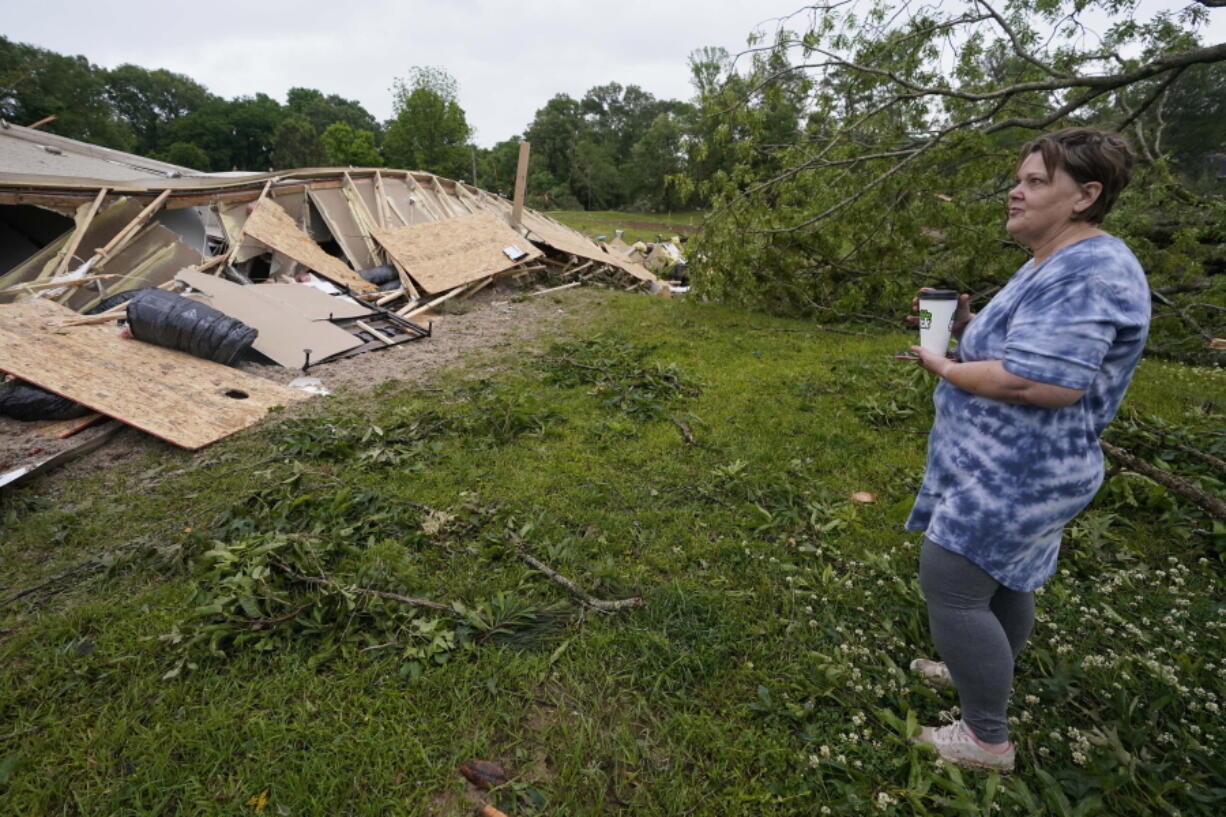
(83, 226)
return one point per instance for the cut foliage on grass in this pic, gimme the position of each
(764, 673)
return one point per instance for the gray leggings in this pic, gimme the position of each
(979, 627)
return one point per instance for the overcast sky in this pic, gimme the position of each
(508, 57)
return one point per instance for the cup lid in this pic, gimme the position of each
(938, 294)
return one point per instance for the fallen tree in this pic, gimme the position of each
(908, 124)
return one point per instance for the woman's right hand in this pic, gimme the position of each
(962, 314)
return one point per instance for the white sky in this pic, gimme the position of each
(509, 58)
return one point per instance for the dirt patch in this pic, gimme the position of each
(491, 321)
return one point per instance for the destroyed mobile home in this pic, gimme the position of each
(128, 286)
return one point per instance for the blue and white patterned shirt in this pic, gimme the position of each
(1002, 480)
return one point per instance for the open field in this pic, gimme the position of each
(205, 639)
(637, 226)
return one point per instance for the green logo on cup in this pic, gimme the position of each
(925, 319)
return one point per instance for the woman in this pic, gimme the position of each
(1014, 454)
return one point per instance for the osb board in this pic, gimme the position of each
(284, 333)
(334, 207)
(567, 240)
(152, 258)
(271, 225)
(107, 223)
(313, 304)
(233, 215)
(172, 395)
(620, 247)
(454, 251)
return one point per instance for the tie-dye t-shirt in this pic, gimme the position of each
(1003, 479)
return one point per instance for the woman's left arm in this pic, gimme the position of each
(988, 378)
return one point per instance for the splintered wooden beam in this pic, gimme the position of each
(70, 250)
(411, 310)
(76, 282)
(380, 199)
(124, 236)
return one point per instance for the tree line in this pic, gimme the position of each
(614, 148)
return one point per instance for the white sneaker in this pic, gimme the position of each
(934, 672)
(955, 745)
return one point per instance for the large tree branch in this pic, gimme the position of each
(1153, 97)
(1107, 82)
(883, 177)
(1017, 45)
(1210, 504)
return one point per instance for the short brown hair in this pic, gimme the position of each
(1088, 155)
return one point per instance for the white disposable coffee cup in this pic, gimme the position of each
(936, 318)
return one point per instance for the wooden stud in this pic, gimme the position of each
(124, 236)
(76, 282)
(443, 196)
(409, 311)
(555, 289)
(366, 327)
(521, 183)
(381, 199)
(361, 216)
(212, 262)
(70, 249)
(116, 313)
(419, 200)
(484, 283)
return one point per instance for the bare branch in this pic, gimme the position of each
(579, 592)
(882, 178)
(1158, 91)
(1187, 319)
(1017, 46)
(1159, 65)
(1210, 504)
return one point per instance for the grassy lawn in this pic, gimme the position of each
(220, 652)
(637, 226)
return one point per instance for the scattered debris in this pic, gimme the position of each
(484, 774)
(299, 267)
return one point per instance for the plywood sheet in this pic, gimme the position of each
(313, 304)
(454, 251)
(273, 227)
(182, 399)
(334, 207)
(233, 215)
(567, 240)
(284, 333)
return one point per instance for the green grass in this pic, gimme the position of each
(765, 673)
(637, 226)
